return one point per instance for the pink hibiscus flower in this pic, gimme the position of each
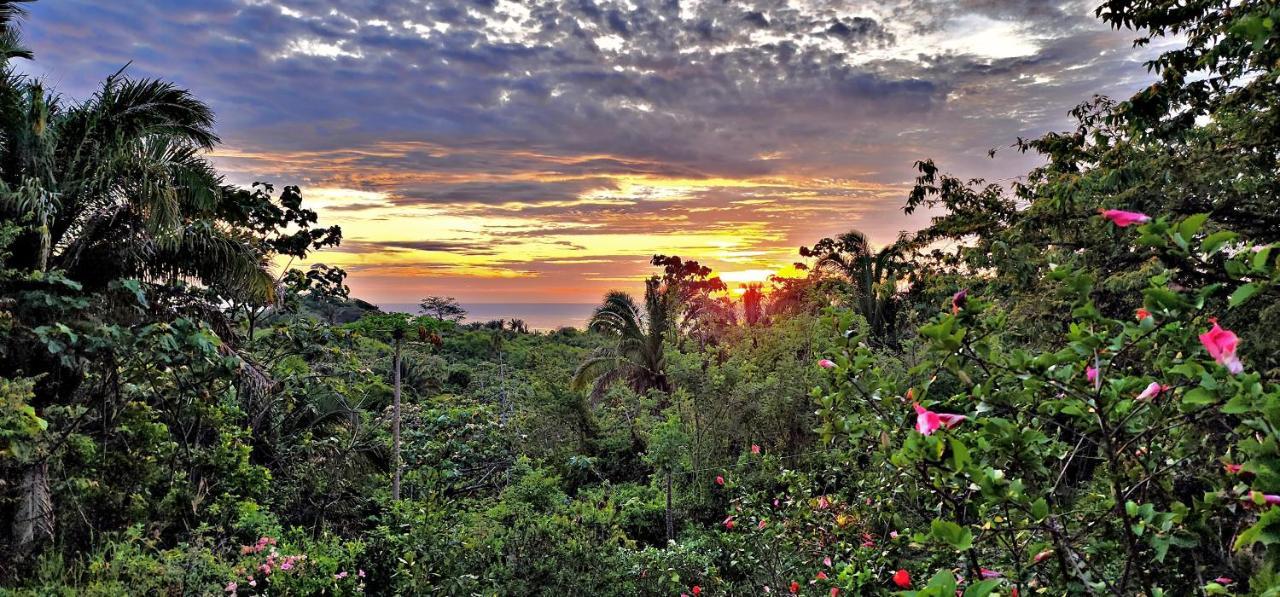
(1221, 345)
(1123, 218)
(928, 421)
(1152, 390)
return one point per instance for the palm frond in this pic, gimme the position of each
(604, 381)
(137, 108)
(10, 41)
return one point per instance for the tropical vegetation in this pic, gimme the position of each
(1065, 385)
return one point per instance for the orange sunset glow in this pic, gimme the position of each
(460, 158)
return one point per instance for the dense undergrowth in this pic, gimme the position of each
(1062, 401)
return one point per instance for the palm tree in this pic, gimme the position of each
(752, 302)
(118, 187)
(637, 357)
(872, 274)
(113, 188)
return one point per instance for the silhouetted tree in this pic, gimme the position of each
(444, 308)
(636, 358)
(873, 275)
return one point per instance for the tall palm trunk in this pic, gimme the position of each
(395, 424)
(33, 521)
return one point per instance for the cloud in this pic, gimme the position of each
(502, 130)
(463, 248)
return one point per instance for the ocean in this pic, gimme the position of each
(538, 316)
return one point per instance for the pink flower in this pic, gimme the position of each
(826, 561)
(1222, 580)
(1123, 218)
(764, 522)
(826, 363)
(231, 587)
(360, 572)
(1151, 392)
(340, 575)
(719, 480)
(755, 449)
(822, 575)
(253, 583)
(927, 421)
(1233, 469)
(1091, 374)
(988, 574)
(959, 300)
(835, 591)
(949, 420)
(823, 502)
(1221, 345)
(1269, 499)
(893, 534)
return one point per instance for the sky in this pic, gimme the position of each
(541, 151)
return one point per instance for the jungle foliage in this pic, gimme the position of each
(1046, 391)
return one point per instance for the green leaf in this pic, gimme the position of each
(1237, 405)
(951, 533)
(1266, 531)
(1260, 259)
(1244, 293)
(1190, 226)
(1198, 397)
(982, 589)
(1040, 509)
(959, 455)
(942, 583)
(1165, 299)
(1215, 241)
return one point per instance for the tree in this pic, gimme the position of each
(872, 274)
(444, 308)
(321, 287)
(753, 302)
(115, 220)
(668, 453)
(1201, 139)
(274, 227)
(698, 313)
(637, 357)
